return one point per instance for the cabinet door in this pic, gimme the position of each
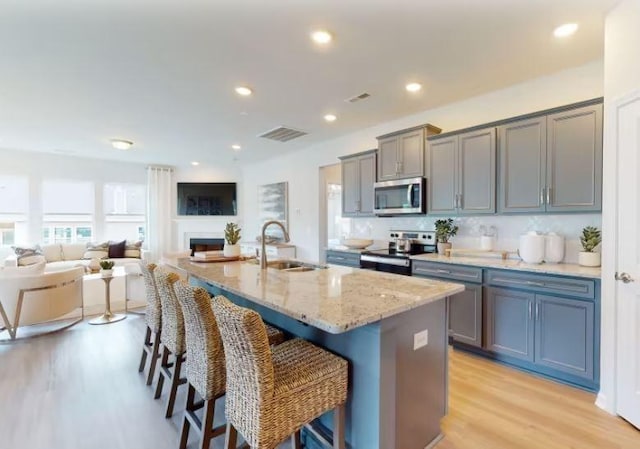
(367, 175)
(388, 159)
(411, 154)
(574, 160)
(509, 323)
(477, 172)
(523, 154)
(564, 335)
(350, 187)
(441, 176)
(465, 315)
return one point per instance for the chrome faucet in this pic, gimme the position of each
(263, 254)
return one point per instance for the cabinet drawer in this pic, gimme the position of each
(343, 258)
(578, 288)
(447, 271)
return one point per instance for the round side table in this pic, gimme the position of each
(107, 317)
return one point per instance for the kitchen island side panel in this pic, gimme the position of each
(397, 396)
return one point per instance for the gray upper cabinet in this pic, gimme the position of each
(358, 176)
(552, 163)
(401, 154)
(523, 154)
(442, 184)
(461, 173)
(574, 160)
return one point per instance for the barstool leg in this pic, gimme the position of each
(186, 425)
(231, 437)
(163, 363)
(145, 346)
(338, 427)
(207, 423)
(295, 441)
(175, 383)
(155, 353)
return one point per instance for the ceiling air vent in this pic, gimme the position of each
(282, 134)
(362, 96)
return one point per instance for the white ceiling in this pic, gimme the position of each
(76, 73)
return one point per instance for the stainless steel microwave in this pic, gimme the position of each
(400, 197)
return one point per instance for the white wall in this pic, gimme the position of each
(301, 169)
(621, 76)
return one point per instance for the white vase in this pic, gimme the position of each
(231, 250)
(106, 273)
(589, 259)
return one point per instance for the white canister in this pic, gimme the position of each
(487, 242)
(554, 248)
(531, 248)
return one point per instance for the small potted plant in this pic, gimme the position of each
(590, 239)
(106, 268)
(231, 237)
(445, 229)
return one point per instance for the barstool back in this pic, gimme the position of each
(154, 314)
(206, 370)
(172, 335)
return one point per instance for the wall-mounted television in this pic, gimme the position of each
(207, 198)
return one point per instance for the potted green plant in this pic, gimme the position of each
(590, 239)
(106, 268)
(231, 239)
(445, 229)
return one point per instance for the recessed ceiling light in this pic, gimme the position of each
(121, 144)
(236, 147)
(330, 118)
(244, 91)
(565, 30)
(321, 37)
(195, 163)
(413, 87)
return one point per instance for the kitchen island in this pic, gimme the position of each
(392, 329)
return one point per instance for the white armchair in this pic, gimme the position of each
(39, 298)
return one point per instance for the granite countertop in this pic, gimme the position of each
(563, 269)
(334, 299)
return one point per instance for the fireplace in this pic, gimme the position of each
(203, 244)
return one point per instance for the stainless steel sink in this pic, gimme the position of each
(291, 266)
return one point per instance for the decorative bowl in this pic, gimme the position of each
(357, 243)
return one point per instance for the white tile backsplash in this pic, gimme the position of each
(509, 228)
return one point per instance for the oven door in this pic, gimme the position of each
(386, 264)
(399, 197)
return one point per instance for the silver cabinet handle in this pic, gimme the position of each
(460, 201)
(357, 205)
(537, 284)
(549, 195)
(542, 196)
(530, 310)
(457, 202)
(443, 271)
(624, 277)
(537, 310)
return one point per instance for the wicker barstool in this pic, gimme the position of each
(205, 365)
(272, 394)
(153, 317)
(172, 338)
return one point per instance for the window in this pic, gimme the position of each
(14, 205)
(125, 211)
(68, 208)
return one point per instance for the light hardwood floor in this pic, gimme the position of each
(80, 389)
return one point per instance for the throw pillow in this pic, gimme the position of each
(28, 255)
(96, 251)
(117, 249)
(133, 249)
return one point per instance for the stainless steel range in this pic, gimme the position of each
(396, 258)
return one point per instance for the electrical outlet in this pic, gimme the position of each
(420, 339)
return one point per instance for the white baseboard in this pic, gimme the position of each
(603, 403)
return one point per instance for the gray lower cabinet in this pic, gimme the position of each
(358, 176)
(462, 173)
(552, 163)
(465, 308)
(564, 335)
(344, 258)
(509, 325)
